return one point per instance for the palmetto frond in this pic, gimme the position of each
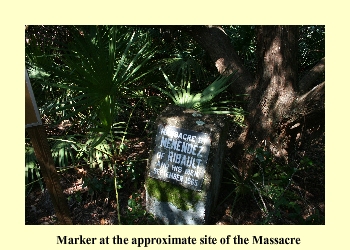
(100, 68)
(203, 101)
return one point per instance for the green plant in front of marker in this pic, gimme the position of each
(136, 214)
(203, 102)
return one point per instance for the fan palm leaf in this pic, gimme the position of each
(101, 67)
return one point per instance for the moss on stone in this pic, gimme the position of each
(179, 196)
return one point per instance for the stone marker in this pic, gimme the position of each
(185, 166)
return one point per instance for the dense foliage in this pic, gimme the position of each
(100, 88)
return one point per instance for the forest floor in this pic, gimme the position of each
(99, 208)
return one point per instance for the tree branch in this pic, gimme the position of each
(312, 102)
(309, 79)
(214, 40)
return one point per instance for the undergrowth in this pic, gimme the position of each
(273, 188)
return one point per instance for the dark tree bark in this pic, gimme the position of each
(309, 79)
(218, 45)
(276, 85)
(276, 101)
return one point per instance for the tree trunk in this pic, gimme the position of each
(274, 92)
(276, 101)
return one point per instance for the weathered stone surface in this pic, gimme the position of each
(180, 156)
(170, 195)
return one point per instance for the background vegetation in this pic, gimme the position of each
(99, 90)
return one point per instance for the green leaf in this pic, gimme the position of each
(96, 69)
(201, 102)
